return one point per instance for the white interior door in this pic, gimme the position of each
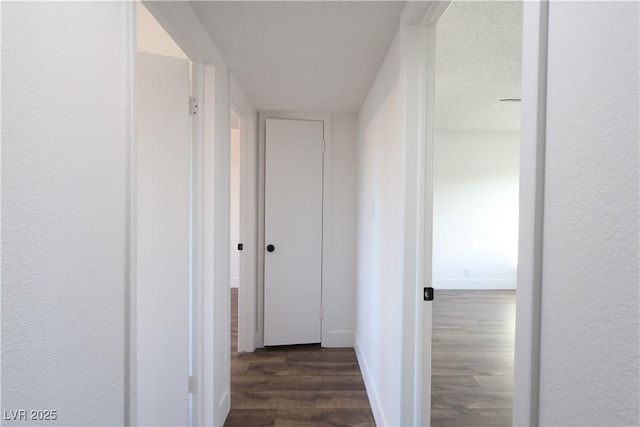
(162, 255)
(426, 307)
(428, 64)
(293, 230)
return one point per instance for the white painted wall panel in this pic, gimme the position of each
(475, 219)
(65, 144)
(339, 285)
(162, 240)
(590, 302)
(380, 239)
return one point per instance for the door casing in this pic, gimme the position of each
(326, 197)
(533, 131)
(247, 290)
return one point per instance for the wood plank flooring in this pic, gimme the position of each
(472, 358)
(295, 385)
(472, 372)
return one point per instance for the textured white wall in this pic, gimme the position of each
(475, 210)
(65, 106)
(380, 239)
(590, 302)
(339, 288)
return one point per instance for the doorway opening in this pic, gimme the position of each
(243, 245)
(236, 245)
(475, 211)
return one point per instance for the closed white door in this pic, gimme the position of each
(162, 230)
(293, 231)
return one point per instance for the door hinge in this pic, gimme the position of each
(428, 293)
(324, 145)
(192, 384)
(321, 312)
(193, 106)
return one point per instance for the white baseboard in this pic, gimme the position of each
(224, 406)
(474, 284)
(246, 344)
(372, 391)
(337, 338)
(235, 282)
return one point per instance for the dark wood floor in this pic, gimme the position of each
(472, 372)
(295, 385)
(472, 358)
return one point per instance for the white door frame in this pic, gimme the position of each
(210, 202)
(533, 130)
(326, 198)
(210, 248)
(418, 47)
(532, 155)
(247, 290)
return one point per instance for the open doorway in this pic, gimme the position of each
(243, 221)
(236, 245)
(475, 211)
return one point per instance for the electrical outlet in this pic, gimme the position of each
(467, 272)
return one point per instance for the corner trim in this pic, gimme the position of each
(532, 167)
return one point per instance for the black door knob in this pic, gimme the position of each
(271, 248)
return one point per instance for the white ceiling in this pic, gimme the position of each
(478, 62)
(323, 55)
(302, 55)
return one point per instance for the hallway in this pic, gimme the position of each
(295, 385)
